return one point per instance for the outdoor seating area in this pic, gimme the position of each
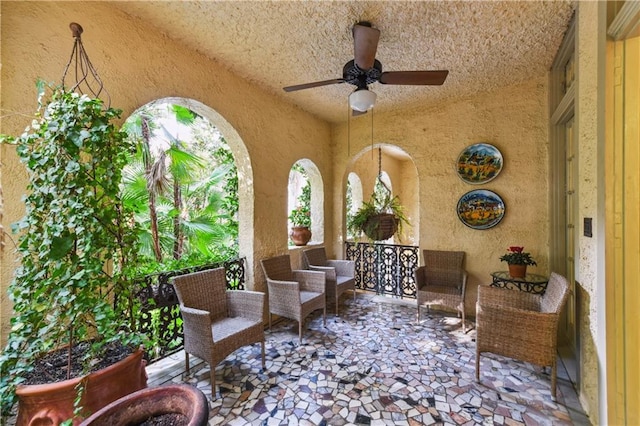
(374, 364)
(321, 213)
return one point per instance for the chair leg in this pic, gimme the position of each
(324, 315)
(212, 374)
(554, 379)
(269, 321)
(337, 300)
(300, 330)
(464, 326)
(186, 362)
(477, 364)
(264, 365)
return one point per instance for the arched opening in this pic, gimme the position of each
(235, 147)
(306, 196)
(398, 172)
(353, 198)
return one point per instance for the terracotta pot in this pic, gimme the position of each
(300, 235)
(381, 226)
(517, 271)
(52, 403)
(139, 406)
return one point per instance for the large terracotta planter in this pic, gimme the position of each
(300, 235)
(139, 406)
(51, 404)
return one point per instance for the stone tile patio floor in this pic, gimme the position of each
(374, 364)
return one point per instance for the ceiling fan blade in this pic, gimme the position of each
(314, 84)
(365, 44)
(418, 78)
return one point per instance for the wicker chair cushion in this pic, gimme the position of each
(306, 296)
(230, 327)
(341, 279)
(439, 289)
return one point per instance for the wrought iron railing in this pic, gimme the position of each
(159, 313)
(384, 268)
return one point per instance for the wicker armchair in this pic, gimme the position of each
(293, 294)
(521, 325)
(442, 281)
(340, 274)
(217, 321)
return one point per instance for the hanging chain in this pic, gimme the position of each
(384, 185)
(87, 80)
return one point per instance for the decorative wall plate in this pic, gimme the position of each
(480, 209)
(479, 163)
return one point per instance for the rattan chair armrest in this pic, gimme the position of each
(465, 275)
(517, 322)
(328, 270)
(196, 322)
(310, 280)
(507, 297)
(345, 268)
(246, 304)
(284, 287)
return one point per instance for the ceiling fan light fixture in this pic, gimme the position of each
(362, 100)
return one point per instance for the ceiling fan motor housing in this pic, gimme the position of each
(353, 74)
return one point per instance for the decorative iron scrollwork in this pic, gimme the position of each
(384, 268)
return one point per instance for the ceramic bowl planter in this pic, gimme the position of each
(300, 235)
(184, 400)
(52, 403)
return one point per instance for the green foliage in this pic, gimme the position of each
(378, 203)
(516, 256)
(301, 215)
(77, 240)
(193, 215)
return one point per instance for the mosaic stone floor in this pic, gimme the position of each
(374, 364)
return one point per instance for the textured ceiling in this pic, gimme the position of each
(483, 44)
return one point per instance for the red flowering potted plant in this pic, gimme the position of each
(518, 261)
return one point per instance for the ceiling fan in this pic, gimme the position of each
(365, 69)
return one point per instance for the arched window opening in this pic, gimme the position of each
(183, 182)
(398, 172)
(382, 187)
(305, 205)
(353, 199)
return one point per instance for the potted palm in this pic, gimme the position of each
(77, 248)
(517, 259)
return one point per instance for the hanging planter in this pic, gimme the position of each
(381, 226)
(382, 216)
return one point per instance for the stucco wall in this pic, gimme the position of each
(514, 119)
(590, 37)
(139, 64)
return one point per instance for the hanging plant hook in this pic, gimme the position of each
(86, 78)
